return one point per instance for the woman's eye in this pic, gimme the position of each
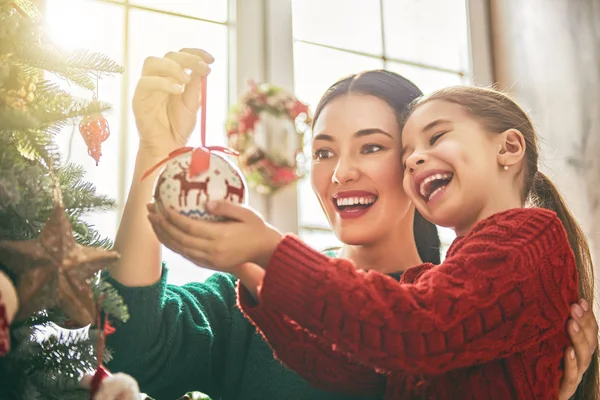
(434, 138)
(322, 154)
(371, 148)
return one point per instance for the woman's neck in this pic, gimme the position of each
(395, 253)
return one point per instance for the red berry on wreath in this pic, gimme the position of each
(95, 130)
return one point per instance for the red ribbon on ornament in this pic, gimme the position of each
(200, 155)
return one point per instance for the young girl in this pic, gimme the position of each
(489, 322)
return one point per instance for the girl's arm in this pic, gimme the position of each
(315, 359)
(507, 287)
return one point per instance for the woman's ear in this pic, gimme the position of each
(512, 147)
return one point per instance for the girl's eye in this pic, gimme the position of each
(434, 138)
(322, 154)
(371, 148)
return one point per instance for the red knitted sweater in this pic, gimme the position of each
(488, 323)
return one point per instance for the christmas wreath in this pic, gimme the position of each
(267, 128)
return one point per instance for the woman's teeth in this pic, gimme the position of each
(352, 201)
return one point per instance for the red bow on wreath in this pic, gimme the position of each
(200, 155)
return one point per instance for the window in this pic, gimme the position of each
(424, 40)
(253, 39)
(128, 32)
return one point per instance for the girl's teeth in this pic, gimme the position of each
(431, 178)
(436, 191)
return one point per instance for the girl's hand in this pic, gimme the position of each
(167, 99)
(221, 246)
(583, 331)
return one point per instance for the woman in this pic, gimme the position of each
(193, 337)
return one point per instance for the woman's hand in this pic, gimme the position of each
(167, 99)
(583, 331)
(221, 246)
(165, 104)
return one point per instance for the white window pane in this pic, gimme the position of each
(214, 10)
(310, 212)
(103, 34)
(181, 271)
(349, 24)
(316, 69)
(426, 79)
(447, 235)
(432, 32)
(147, 38)
(319, 240)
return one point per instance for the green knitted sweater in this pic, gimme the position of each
(194, 337)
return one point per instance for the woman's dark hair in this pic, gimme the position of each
(398, 92)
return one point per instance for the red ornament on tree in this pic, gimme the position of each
(94, 130)
(104, 328)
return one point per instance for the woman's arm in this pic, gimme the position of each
(177, 336)
(165, 105)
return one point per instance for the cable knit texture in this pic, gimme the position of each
(488, 323)
(4, 332)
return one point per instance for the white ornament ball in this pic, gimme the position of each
(175, 188)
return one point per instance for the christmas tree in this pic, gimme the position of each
(46, 247)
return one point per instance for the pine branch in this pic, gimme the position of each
(81, 67)
(53, 104)
(51, 108)
(36, 144)
(111, 302)
(93, 62)
(26, 7)
(26, 200)
(16, 120)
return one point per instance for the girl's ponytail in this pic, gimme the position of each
(544, 194)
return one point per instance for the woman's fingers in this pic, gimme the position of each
(156, 66)
(205, 55)
(571, 376)
(147, 85)
(194, 63)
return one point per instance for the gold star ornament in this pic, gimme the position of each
(54, 271)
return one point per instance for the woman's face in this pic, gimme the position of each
(356, 169)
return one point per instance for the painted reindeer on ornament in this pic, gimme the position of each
(234, 191)
(188, 186)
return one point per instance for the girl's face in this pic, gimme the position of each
(356, 169)
(452, 170)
